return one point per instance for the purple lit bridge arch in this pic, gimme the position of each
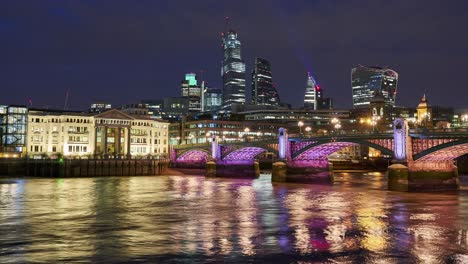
(245, 154)
(320, 149)
(443, 150)
(434, 146)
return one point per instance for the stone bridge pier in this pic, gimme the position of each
(239, 163)
(305, 168)
(430, 171)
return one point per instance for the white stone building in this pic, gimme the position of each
(109, 134)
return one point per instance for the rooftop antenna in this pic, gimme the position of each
(65, 105)
(226, 24)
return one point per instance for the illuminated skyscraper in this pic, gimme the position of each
(263, 91)
(367, 81)
(312, 93)
(232, 71)
(191, 90)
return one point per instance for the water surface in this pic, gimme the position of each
(190, 219)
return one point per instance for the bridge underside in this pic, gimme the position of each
(446, 154)
(321, 152)
(244, 155)
(193, 156)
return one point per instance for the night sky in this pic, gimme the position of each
(125, 51)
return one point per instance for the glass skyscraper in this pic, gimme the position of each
(232, 71)
(312, 93)
(212, 99)
(367, 81)
(263, 91)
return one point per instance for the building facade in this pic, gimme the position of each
(263, 90)
(312, 93)
(191, 89)
(111, 134)
(212, 99)
(232, 71)
(367, 81)
(13, 127)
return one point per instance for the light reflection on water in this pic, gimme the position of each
(196, 220)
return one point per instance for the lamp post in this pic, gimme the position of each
(337, 127)
(374, 121)
(191, 139)
(246, 133)
(424, 119)
(308, 129)
(300, 124)
(464, 119)
(336, 123)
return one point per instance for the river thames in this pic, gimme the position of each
(190, 219)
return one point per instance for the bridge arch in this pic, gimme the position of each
(320, 150)
(444, 152)
(193, 155)
(247, 153)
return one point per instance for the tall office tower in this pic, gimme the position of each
(213, 99)
(191, 90)
(312, 93)
(263, 91)
(367, 81)
(232, 71)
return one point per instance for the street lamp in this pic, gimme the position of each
(191, 139)
(337, 126)
(246, 133)
(374, 121)
(300, 124)
(308, 129)
(424, 119)
(464, 119)
(336, 123)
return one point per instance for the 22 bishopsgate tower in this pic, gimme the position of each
(232, 71)
(263, 90)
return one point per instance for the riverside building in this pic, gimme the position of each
(111, 134)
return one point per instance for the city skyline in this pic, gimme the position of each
(125, 53)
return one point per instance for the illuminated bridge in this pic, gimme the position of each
(439, 146)
(418, 151)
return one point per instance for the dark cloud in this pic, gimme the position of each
(123, 51)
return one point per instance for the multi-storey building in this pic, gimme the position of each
(367, 81)
(312, 93)
(212, 99)
(201, 131)
(13, 126)
(232, 71)
(263, 90)
(193, 91)
(109, 134)
(99, 107)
